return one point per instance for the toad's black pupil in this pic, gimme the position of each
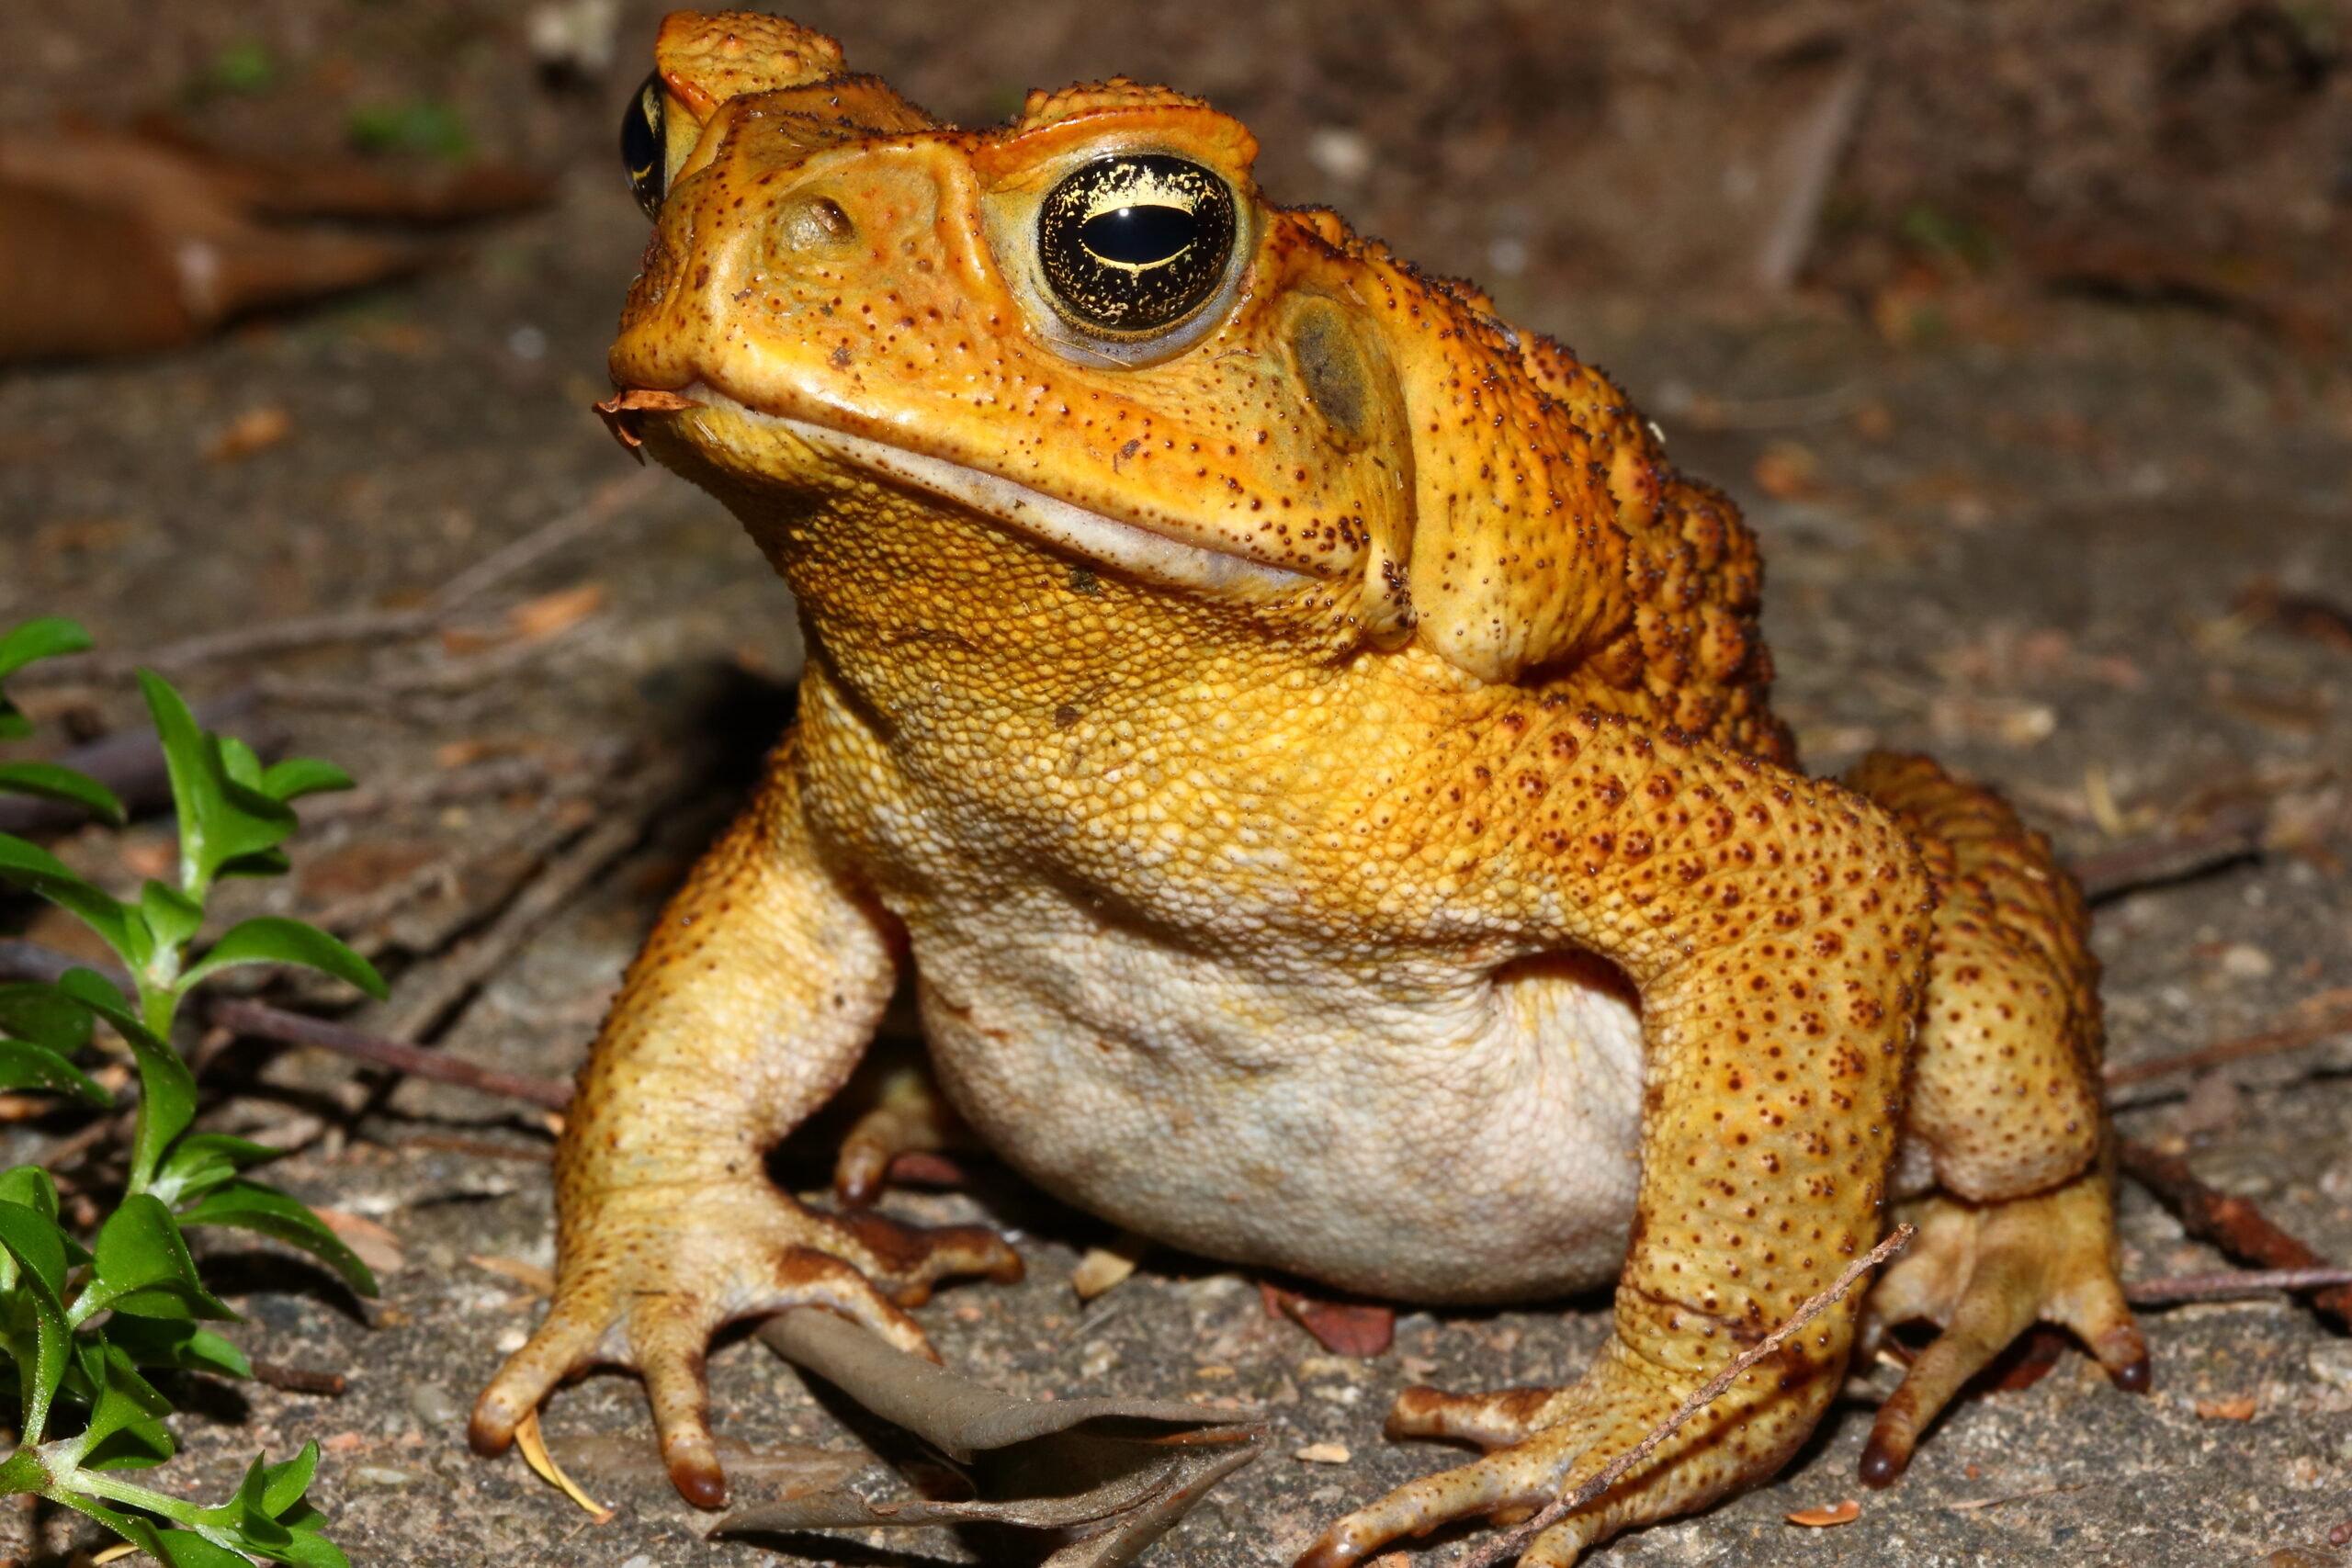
(1139, 236)
(644, 146)
(1135, 243)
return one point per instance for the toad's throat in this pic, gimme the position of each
(1126, 546)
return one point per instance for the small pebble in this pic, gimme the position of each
(381, 1475)
(434, 1405)
(2331, 1363)
(2243, 960)
(1324, 1453)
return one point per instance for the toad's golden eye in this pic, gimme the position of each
(645, 145)
(1133, 245)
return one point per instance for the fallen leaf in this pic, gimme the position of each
(536, 620)
(255, 430)
(1788, 471)
(1844, 1513)
(530, 1276)
(378, 1247)
(1324, 1453)
(1341, 1327)
(634, 1459)
(2240, 1408)
(535, 1454)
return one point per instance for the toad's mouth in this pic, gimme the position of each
(1110, 541)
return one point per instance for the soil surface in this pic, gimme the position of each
(2005, 522)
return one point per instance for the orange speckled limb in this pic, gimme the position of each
(2004, 1105)
(1780, 982)
(750, 1002)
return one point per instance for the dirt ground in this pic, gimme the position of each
(2010, 505)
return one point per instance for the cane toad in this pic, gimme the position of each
(1312, 750)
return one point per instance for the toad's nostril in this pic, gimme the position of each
(816, 221)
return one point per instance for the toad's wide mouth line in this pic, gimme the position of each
(1128, 547)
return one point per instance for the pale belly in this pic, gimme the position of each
(1430, 1133)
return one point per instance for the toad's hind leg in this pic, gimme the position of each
(2004, 1109)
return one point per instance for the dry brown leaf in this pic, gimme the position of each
(378, 1247)
(255, 430)
(536, 620)
(536, 1455)
(2239, 1408)
(530, 1276)
(1844, 1513)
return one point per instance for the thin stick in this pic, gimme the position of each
(416, 1061)
(2220, 1287)
(609, 499)
(2268, 1044)
(455, 979)
(1509, 1545)
(532, 772)
(2233, 1224)
(300, 1380)
(27, 961)
(2114, 872)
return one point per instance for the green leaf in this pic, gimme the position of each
(284, 1483)
(38, 1247)
(221, 820)
(250, 1205)
(143, 1267)
(44, 638)
(177, 1343)
(23, 1064)
(240, 761)
(127, 1407)
(31, 1185)
(44, 1015)
(202, 1161)
(254, 1520)
(172, 917)
(166, 1089)
(51, 781)
(34, 868)
(186, 1548)
(297, 776)
(272, 939)
(261, 862)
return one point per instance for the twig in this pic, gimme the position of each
(608, 500)
(268, 1022)
(2156, 862)
(2220, 1287)
(131, 763)
(441, 989)
(535, 838)
(535, 771)
(300, 1380)
(22, 960)
(2233, 1224)
(2268, 1044)
(1809, 157)
(1970, 1506)
(362, 625)
(1493, 1551)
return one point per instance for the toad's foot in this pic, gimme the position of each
(1545, 1442)
(910, 1116)
(655, 1270)
(1985, 1272)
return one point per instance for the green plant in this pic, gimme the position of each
(79, 1320)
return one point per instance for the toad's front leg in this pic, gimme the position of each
(1777, 931)
(750, 1002)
